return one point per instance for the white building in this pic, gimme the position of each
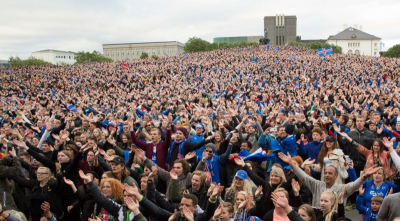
(119, 52)
(354, 41)
(55, 56)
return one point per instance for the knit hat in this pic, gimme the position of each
(111, 124)
(212, 146)
(254, 126)
(183, 130)
(289, 129)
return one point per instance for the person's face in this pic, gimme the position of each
(251, 130)
(239, 199)
(377, 118)
(155, 136)
(107, 190)
(360, 123)
(26, 159)
(225, 215)
(42, 175)
(209, 152)
(116, 167)
(239, 183)
(124, 139)
(148, 126)
(90, 157)
(92, 127)
(398, 127)
(104, 176)
(304, 215)
(275, 179)
(96, 133)
(179, 135)
(316, 136)
(178, 168)
(378, 176)
(281, 132)
(196, 182)
(325, 203)
(85, 124)
(125, 128)
(35, 142)
(341, 120)
(329, 144)
(375, 147)
(244, 146)
(62, 158)
(372, 127)
(91, 143)
(199, 130)
(350, 123)
(280, 195)
(329, 175)
(217, 137)
(375, 206)
(70, 150)
(143, 183)
(188, 203)
(45, 147)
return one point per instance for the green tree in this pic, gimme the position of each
(31, 61)
(315, 45)
(154, 56)
(337, 49)
(214, 46)
(144, 55)
(197, 44)
(393, 52)
(87, 57)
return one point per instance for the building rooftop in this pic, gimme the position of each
(155, 42)
(52, 50)
(353, 34)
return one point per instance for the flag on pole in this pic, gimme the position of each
(260, 155)
(324, 51)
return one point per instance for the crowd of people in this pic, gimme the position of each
(235, 134)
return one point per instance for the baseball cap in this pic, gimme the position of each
(241, 174)
(331, 139)
(118, 160)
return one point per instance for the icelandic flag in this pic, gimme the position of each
(72, 108)
(124, 65)
(324, 51)
(267, 48)
(261, 155)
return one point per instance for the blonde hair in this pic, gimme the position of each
(246, 187)
(51, 176)
(246, 197)
(278, 172)
(283, 191)
(334, 197)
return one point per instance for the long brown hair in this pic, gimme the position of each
(323, 152)
(309, 210)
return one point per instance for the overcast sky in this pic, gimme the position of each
(76, 25)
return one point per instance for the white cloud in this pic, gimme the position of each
(85, 25)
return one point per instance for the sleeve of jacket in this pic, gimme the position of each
(114, 208)
(162, 174)
(201, 166)
(294, 216)
(209, 212)
(22, 182)
(139, 217)
(137, 141)
(103, 163)
(352, 187)
(256, 179)
(174, 191)
(360, 204)
(46, 162)
(154, 210)
(12, 170)
(352, 174)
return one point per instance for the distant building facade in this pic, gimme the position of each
(308, 41)
(255, 39)
(55, 56)
(280, 29)
(4, 64)
(354, 41)
(120, 52)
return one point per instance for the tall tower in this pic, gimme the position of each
(281, 28)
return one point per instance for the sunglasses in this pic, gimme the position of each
(199, 128)
(209, 151)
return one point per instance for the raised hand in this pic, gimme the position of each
(308, 162)
(373, 169)
(68, 181)
(85, 177)
(285, 158)
(280, 201)
(218, 212)
(154, 171)
(173, 174)
(190, 155)
(341, 195)
(295, 187)
(258, 191)
(239, 162)
(217, 191)
(211, 189)
(173, 217)
(133, 205)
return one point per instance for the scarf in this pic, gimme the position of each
(180, 153)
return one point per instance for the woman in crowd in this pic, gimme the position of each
(376, 156)
(244, 205)
(330, 154)
(307, 213)
(282, 210)
(45, 188)
(240, 183)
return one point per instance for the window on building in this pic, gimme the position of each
(358, 44)
(127, 52)
(117, 53)
(374, 53)
(64, 56)
(163, 51)
(122, 52)
(349, 45)
(112, 53)
(154, 51)
(375, 44)
(69, 57)
(133, 52)
(356, 52)
(350, 52)
(137, 52)
(158, 51)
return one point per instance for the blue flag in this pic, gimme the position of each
(267, 48)
(260, 155)
(72, 108)
(324, 51)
